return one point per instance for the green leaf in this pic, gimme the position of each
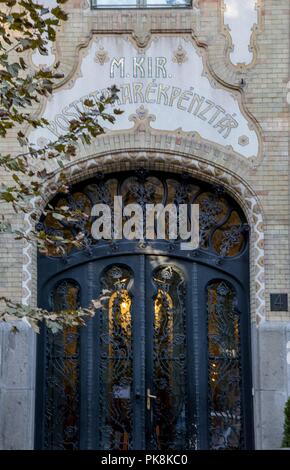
(59, 13)
(7, 197)
(16, 178)
(89, 103)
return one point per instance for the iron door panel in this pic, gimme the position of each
(239, 283)
(143, 289)
(170, 355)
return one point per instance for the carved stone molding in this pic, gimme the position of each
(256, 29)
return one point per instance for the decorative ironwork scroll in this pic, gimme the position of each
(62, 412)
(224, 359)
(222, 226)
(169, 412)
(115, 426)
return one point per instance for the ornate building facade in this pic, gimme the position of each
(193, 349)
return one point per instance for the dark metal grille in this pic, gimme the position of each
(222, 225)
(62, 375)
(225, 385)
(116, 363)
(169, 370)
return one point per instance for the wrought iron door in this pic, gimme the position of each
(142, 361)
(165, 362)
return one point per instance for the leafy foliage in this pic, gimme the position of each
(55, 321)
(286, 437)
(25, 26)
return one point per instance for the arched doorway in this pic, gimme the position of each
(165, 364)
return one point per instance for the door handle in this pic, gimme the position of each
(149, 398)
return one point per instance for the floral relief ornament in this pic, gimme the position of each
(102, 56)
(179, 56)
(244, 140)
(142, 119)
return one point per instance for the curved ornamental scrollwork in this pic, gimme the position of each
(115, 426)
(224, 362)
(223, 229)
(62, 394)
(170, 409)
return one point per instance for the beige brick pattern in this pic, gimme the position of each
(264, 97)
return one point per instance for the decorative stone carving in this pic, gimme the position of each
(4, 227)
(42, 141)
(28, 253)
(244, 141)
(179, 56)
(142, 119)
(142, 33)
(102, 56)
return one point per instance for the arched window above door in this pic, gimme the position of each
(223, 228)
